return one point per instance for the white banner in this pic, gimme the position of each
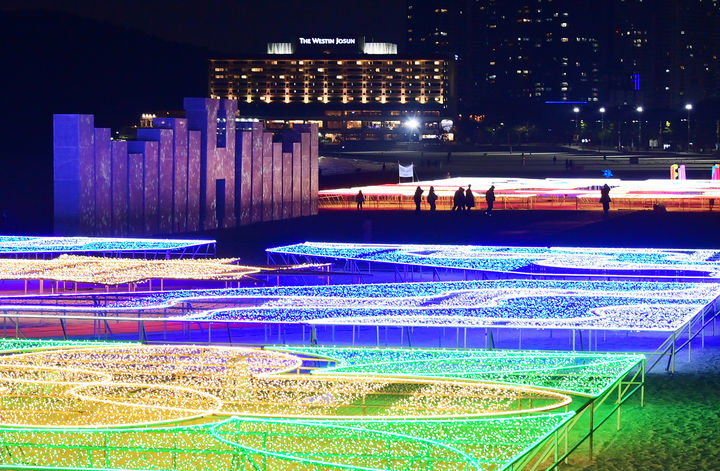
(405, 171)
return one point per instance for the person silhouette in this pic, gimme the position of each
(469, 199)
(490, 199)
(459, 200)
(360, 199)
(432, 198)
(417, 197)
(605, 199)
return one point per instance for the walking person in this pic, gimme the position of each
(432, 198)
(417, 197)
(360, 199)
(490, 199)
(458, 200)
(469, 199)
(605, 199)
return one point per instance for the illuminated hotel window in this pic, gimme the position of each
(256, 69)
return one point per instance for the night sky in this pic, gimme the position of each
(234, 27)
(117, 59)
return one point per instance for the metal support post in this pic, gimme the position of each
(642, 386)
(592, 426)
(619, 402)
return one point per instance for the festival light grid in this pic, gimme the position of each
(114, 271)
(605, 305)
(30, 244)
(668, 262)
(91, 406)
(588, 374)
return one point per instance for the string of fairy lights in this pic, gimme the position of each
(669, 262)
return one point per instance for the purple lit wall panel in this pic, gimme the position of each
(296, 175)
(164, 138)
(119, 188)
(257, 177)
(202, 114)
(103, 187)
(314, 168)
(136, 219)
(149, 149)
(193, 179)
(243, 184)
(77, 186)
(267, 167)
(73, 142)
(277, 180)
(305, 173)
(87, 190)
(229, 176)
(287, 185)
(165, 181)
(179, 128)
(225, 168)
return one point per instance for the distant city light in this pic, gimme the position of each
(688, 107)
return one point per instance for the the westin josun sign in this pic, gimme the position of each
(306, 41)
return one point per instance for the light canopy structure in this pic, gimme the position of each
(65, 406)
(599, 305)
(518, 261)
(100, 246)
(115, 271)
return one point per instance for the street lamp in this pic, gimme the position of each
(639, 109)
(688, 108)
(602, 125)
(412, 124)
(576, 110)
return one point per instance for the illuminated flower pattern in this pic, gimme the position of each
(67, 404)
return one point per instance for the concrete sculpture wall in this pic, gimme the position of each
(200, 172)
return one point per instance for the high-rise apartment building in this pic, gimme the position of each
(664, 53)
(512, 51)
(660, 53)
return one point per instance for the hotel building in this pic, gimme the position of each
(353, 90)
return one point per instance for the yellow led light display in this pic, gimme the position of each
(104, 406)
(114, 271)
